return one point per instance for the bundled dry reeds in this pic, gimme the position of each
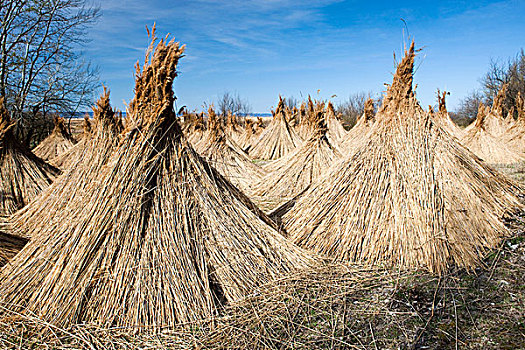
(493, 120)
(442, 118)
(409, 196)
(58, 142)
(53, 204)
(277, 140)
(72, 154)
(232, 128)
(9, 246)
(295, 172)
(161, 237)
(359, 132)
(490, 148)
(226, 156)
(23, 175)
(515, 135)
(336, 131)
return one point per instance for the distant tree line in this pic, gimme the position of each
(42, 70)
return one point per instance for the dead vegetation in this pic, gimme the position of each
(409, 196)
(58, 142)
(159, 239)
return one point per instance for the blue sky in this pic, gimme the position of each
(260, 49)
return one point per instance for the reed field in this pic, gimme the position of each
(209, 230)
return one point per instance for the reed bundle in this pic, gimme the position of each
(58, 142)
(359, 132)
(160, 238)
(442, 118)
(9, 246)
(487, 146)
(493, 120)
(23, 175)
(410, 195)
(73, 153)
(294, 173)
(248, 135)
(277, 139)
(336, 131)
(51, 207)
(515, 135)
(226, 156)
(232, 128)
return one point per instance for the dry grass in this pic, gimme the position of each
(22, 174)
(50, 208)
(277, 140)
(336, 131)
(226, 156)
(295, 172)
(159, 239)
(359, 132)
(487, 146)
(74, 153)
(58, 142)
(442, 118)
(410, 196)
(335, 307)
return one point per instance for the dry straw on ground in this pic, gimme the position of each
(58, 142)
(295, 172)
(277, 140)
(409, 196)
(22, 174)
(161, 237)
(226, 156)
(50, 209)
(487, 146)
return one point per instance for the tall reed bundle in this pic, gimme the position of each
(161, 238)
(226, 156)
(277, 140)
(410, 196)
(72, 154)
(295, 172)
(515, 135)
(490, 148)
(195, 127)
(248, 135)
(53, 204)
(58, 142)
(494, 121)
(336, 131)
(442, 118)
(23, 175)
(232, 128)
(359, 132)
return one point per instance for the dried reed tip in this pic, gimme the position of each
(330, 108)
(154, 97)
(369, 109)
(497, 105)
(87, 125)
(441, 102)
(481, 116)
(401, 88)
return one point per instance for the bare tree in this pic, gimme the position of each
(510, 72)
(41, 67)
(291, 102)
(352, 108)
(229, 102)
